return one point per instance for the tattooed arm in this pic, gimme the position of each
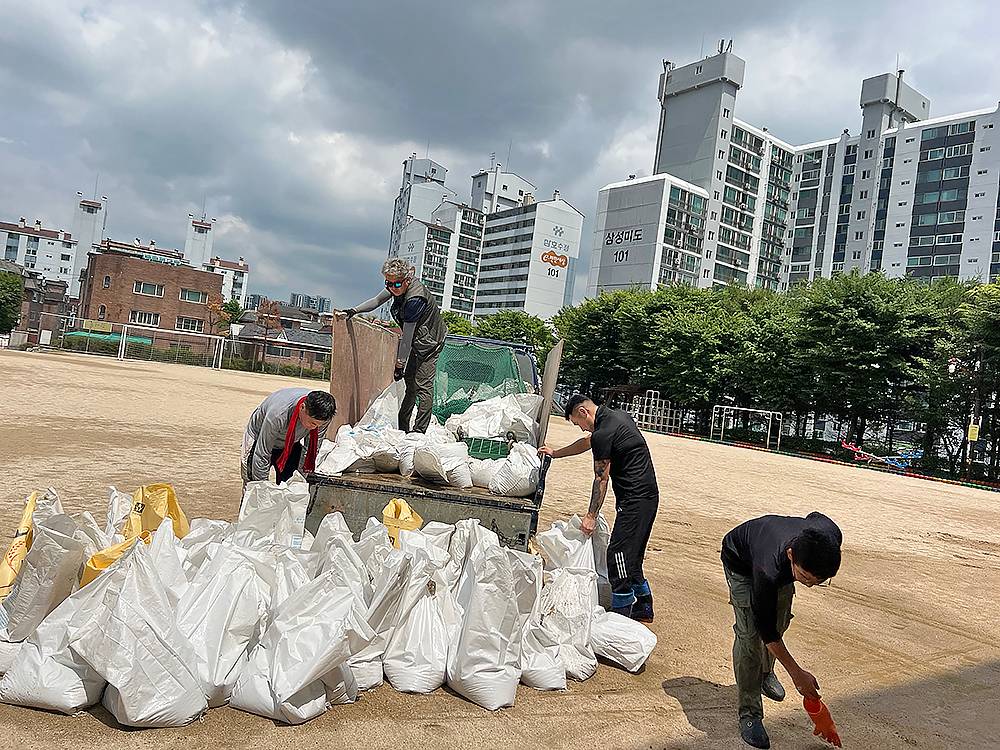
(602, 472)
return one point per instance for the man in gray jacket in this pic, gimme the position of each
(277, 428)
(417, 313)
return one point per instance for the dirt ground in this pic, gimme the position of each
(904, 643)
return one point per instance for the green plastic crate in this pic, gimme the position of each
(487, 448)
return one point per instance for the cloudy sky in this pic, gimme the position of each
(291, 119)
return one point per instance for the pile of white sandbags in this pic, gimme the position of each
(262, 616)
(375, 445)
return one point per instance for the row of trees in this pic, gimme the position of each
(872, 352)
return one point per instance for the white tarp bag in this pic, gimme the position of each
(373, 546)
(567, 610)
(48, 674)
(49, 574)
(333, 524)
(495, 417)
(541, 665)
(433, 539)
(383, 414)
(119, 508)
(133, 643)
(566, 546)
(168, 561)
(196, 544)
(252, 693)
(386, 453)
(350, 451)
(382, 616)
(407, 448)
(319, 627)
(91, 535)
(219, 614)
(274, 513)
(8, 650)
(517, 475)
(447, 463)
(340, 557)
(416, 657)
(484, 656)
(341, 686)
(621, 639)
(483, 471)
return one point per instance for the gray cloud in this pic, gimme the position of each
(291, 119)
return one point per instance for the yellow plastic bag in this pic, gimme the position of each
(101, 561)
(399, 516)
(11, 562)
(150, 505)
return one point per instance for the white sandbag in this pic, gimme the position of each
(340, 557)
(565, 545)
(318, 628)
(517, 475)
(48, 575)
(273, 513)
(333, 524)
(433, 539)
(495, 417)
(252, 693)
(341, 686)
(47, 674)
(601, 538)
(168, 561)
(483, 659)
(382, 616)
(566, 611)
(351, 451)
(483, 471)
(416, 656)
(90, 534)
(407, 447)
(447, 463)
(383, 413)
(621, 639)
(196, 544)
(541, 665)
(218, 614)
(119, 508)
(133, 643)
(8, 651)
(373, 546)
(527, 571)
(386, 452)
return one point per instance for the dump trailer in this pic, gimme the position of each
(356, 381)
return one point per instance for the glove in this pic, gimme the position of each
(350, 312)
(398, 372)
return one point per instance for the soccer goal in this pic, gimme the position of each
(178, 347)
(763, 421)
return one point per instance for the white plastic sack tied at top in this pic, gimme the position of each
(621, 639)
(495, 417)
(273, 513)
(517, 475)
(566, 615)
(446, 463)
(565, 545)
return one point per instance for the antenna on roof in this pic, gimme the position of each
(510, 144)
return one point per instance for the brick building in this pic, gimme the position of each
(147, 287)
(45, 307)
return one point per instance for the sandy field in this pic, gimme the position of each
(904, 643)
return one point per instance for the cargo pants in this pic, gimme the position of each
(752, 662)
(418, 376)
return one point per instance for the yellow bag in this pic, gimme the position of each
(399, 516)
(150, 505)
(11, 562)
(101, 561)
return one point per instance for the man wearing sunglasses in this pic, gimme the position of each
(417, 313)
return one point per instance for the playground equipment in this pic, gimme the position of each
(723, 416)
(901, 461)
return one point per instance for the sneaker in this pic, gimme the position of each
(772, 689)
(753, 733)
(642, 610)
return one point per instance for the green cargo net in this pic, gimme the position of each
(468, 373)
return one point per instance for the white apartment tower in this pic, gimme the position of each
(200, 240)
(527, 257)
(496, 190)
(421, 192)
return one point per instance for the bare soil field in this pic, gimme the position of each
(904, 643)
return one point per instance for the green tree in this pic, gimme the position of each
(457, 325)
(594, 353)
(232, 310)
(11, 296)
(518, 327)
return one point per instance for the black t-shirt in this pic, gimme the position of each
(616, 437)
(757, 549)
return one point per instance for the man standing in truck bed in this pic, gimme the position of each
(417, 313)
(621, 455)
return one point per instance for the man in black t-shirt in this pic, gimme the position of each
(621, 456)
(763, 559)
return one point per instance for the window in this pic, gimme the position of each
(950, 217)
(725, 134)
(981, 171)
(718, 174)
(910, 140)
(921, 241)
(147, 288)
(859, 235)
(949, 239)
(144, 318)
(947, 260)
(711, 235)
(845, 209)
(953, 173)
(903, 203)
(932, 154)
(107, 282)
(697, 71)
(849, 168)
(190, 324)
(984, 148)
(716, 195)
(102, 312)
(852, 150)
(979, 195)
(722, 154)
(65, 256)
(869, 153)
(725, 112)
(871, 133)
(856, 255)
(201, 230)
(864, 194)
(887, 163)
(193, 295)
(866, 174)
(861, 215)
(926, 220)
(963, 149)
(918, 260)
(900, 224)
(961, 127)
(715, 215)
